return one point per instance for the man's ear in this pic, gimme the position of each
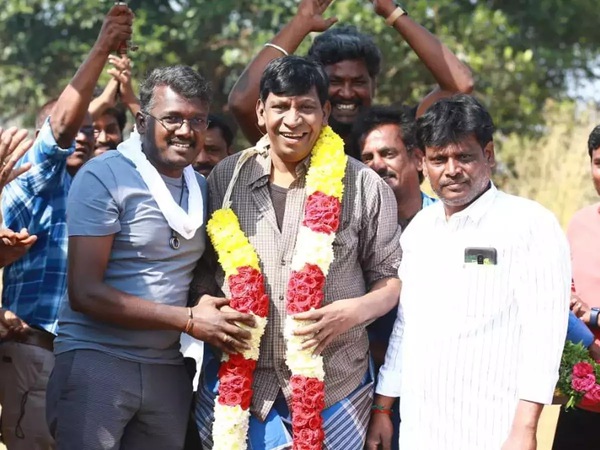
(489, 154)
(418, 156)
(326, 112)
(260, 113)
(140, 122)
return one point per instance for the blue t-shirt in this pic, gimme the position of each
(109, 197)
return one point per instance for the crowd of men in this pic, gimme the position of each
(457, 305)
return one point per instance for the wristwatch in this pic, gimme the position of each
(398, 12)
(594, 313)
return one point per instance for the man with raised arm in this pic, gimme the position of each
(35, 285)
(352, 62)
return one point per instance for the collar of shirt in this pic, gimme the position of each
(262, 169)
(475, 211)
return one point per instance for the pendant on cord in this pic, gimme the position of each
(174, 241)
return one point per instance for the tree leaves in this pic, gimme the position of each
(520, 52)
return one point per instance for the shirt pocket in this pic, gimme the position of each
(485, 292)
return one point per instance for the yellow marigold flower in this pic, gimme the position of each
(327, 165)
(231, 244)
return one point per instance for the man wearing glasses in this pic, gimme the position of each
(36, 284)
(136, 219)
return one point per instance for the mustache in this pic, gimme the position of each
(191, 143)
(451, 182)
(202, 166)
(106, 144)
(384, 173)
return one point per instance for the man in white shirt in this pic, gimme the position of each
(475, 351)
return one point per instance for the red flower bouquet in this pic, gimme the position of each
(579, 377)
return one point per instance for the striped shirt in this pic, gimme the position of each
(471, 340)
(36, 284)
(366, 249)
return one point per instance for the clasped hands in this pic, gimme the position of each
(219, 325)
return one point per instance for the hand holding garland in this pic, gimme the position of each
(216, 324)
(334, 319)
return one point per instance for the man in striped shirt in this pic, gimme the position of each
(475, 351)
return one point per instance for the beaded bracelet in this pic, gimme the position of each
(378, 409)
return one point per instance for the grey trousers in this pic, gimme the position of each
(99, 402)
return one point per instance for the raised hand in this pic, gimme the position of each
(310, 13)
(383, 8)
(13, 145)
(121, 72)
(116, 28)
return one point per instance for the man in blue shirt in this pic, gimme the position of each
(385, 139)
(35, 285)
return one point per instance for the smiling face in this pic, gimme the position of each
(293, 123)
(351, 89)
(171, 151)
(459, 172)
(107, 132)
(384, 151)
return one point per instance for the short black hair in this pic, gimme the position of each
(217, 121)
(294, 75)
(182, 79)
(594, 140)
(346, 43)
(402, 116)
(451, 120)
(44, 112)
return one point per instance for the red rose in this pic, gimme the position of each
(592, 398)
(305, 289)
(248, 292)
(321, 213)
(581, 369)
(583, 384)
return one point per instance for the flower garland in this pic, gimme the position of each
(246, 285)
(310, 265)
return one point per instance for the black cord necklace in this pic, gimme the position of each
(174, 241)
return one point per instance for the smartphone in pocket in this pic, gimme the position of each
(487, 256)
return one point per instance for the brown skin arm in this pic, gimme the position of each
(245, 92)
(72, 105)
(90, 295)
(522, 434)
(381, 430)
(451, 75)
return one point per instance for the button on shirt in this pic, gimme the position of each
(366, 249)
(471, 340)
(36, 284)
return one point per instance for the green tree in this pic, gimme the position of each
(520, 52)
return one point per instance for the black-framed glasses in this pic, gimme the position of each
(174, 123)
